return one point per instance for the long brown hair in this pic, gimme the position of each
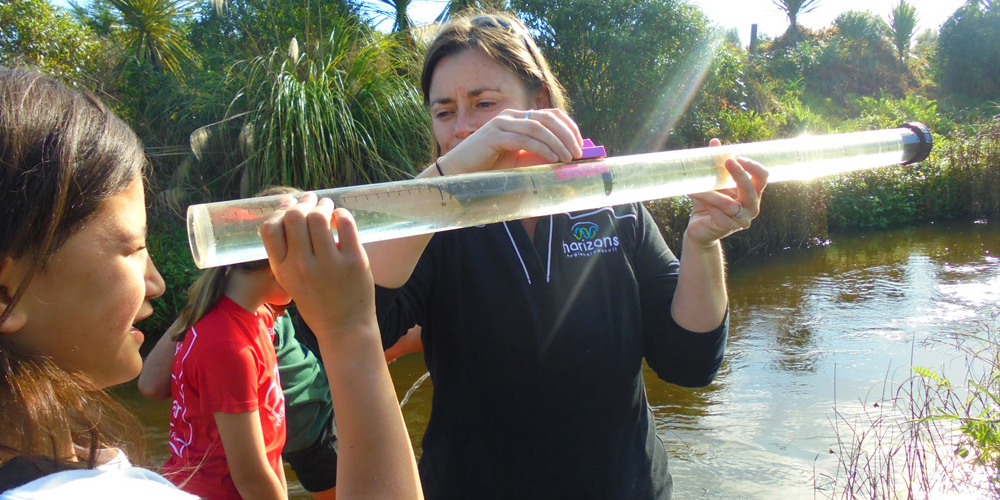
(501, 37)
(62, 155)
(209, 287)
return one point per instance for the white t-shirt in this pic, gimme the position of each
(114, 477)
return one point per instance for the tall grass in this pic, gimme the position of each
(931, 435)
(325, 113)
(338, 114)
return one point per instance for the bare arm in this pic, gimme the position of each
(407, 344)
(243, 442)
(154, 380)
(700, 300)
(333, 288)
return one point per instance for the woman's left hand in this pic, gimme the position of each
(717, 214)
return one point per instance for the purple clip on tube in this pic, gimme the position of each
(590, 151)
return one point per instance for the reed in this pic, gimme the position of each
(929, 435)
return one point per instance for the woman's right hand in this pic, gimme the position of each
(516, 138)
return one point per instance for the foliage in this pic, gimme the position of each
(736, 102)
(969, 52)
(152, 31)
(337, 114)
(627, 69)
(35, 34)
(861, 25)
(874, 199)
(902, 22)
(96, 15)
(870, 113)
(854, 57)
(396, 10)
(248, 28)
(959, 179)
(972, 159)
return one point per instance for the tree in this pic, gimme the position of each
(968, 53)
(793, 9)
(453, 7)
(153, 31)
(245, 29)
(856, 25)
(35, 34)
(902, 23)
(619, 67)
(396, 10)
(859, 61)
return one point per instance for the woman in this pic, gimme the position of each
(75, 277)
(535, 347)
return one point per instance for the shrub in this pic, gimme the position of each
(969, 52)
(35, 34)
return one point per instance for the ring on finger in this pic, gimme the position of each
(739, 212)
(527, 114)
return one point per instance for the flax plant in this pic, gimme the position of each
(903, 23)
(337, 113)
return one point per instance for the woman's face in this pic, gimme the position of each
(467, 90)
(80, 307)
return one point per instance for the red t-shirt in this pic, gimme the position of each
(224, 364)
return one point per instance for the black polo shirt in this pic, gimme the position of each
(535, 350)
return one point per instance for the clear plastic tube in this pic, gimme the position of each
(229, 232)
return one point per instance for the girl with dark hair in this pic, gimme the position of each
(535, 343)
(75, 277)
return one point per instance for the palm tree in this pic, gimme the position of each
(395, 10)
(151, 30)
(902, 24)
(455, 6)
(793, 9)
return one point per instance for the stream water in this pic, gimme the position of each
(817, 335)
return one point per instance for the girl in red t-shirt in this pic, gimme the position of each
(227, 421)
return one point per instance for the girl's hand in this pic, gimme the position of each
(331, 283)
(516, 138)
(717, 214)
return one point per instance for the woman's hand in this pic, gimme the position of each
(516, 138)
(717, 214)
(330, 282)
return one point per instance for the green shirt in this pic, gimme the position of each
(307, 393)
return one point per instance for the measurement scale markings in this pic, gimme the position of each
(465, 200)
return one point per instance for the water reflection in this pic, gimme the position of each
(816, 328)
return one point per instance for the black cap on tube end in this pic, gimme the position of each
(918, 151)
